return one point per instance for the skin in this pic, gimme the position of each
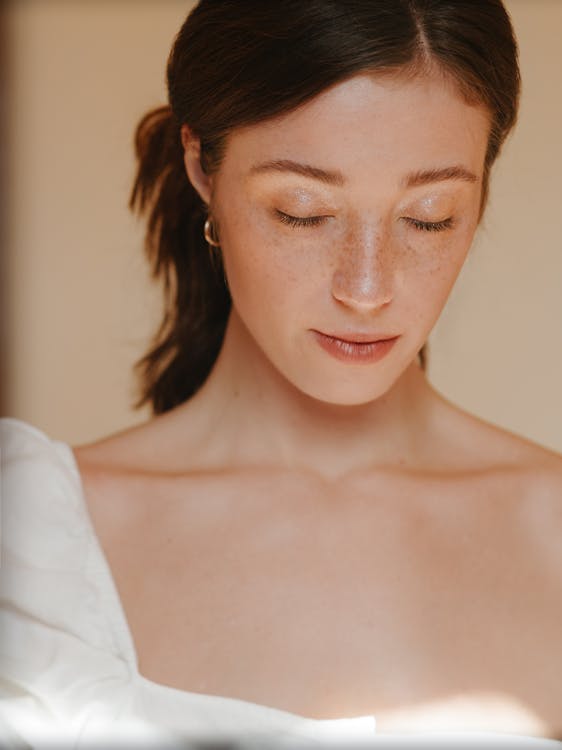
(328, 538)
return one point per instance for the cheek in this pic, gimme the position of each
(264, 268)
(432, 269)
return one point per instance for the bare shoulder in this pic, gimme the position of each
(513, 489)
(483, 444)
(121, 470)
(520, 470)
(143, 446)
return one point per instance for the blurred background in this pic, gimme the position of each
(78, 307)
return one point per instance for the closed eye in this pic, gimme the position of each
(300, 221)
(430, 226)
(313, 221)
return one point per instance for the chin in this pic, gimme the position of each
(358, 393)
(351, 388)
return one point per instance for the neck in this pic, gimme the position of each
(253, 416)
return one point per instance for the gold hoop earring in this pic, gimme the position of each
(208, 234)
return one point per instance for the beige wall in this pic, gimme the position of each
(80, 307)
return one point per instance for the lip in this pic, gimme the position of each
(356, 348)
(359, 338)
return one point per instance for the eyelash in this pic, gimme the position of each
(295, 221)
(314, 221)
(430, 226)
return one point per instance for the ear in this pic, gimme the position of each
(202, 182)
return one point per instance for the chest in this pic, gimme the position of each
(340, 610)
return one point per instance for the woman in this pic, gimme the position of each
(306, 538)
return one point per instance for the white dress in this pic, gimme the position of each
(68, 669)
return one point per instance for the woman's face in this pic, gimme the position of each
(351, 215)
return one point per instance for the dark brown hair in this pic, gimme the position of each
(240, 62)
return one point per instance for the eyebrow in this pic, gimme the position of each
(427, 176)
(305, 170)
(333, 177)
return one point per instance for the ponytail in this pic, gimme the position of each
(197, 301)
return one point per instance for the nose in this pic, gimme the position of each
(364, 276)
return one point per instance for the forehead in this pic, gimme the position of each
(392, 123)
